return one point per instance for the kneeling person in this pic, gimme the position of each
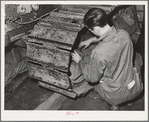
(111, 62)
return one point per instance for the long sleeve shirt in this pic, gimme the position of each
(110, 62)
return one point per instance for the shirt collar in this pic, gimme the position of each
(108, 35)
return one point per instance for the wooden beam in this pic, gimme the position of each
(54, 102)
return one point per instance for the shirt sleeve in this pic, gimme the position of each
(93, 69)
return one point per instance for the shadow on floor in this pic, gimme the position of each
(30, 95)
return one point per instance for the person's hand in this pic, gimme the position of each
(76, 57)
(86, 43)
(35, 6)
(23, 9)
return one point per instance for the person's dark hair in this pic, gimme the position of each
(95, 17)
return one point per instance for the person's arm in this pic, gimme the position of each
(87, 42)
(93, 71)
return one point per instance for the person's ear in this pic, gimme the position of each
(96, 29)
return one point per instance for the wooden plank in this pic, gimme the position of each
(54, 102)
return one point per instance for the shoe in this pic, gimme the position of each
(114, 108)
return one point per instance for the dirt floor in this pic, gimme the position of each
(30, 95)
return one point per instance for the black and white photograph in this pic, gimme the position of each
(74, 60)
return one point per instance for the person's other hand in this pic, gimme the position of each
(86, 43)
(76, 57)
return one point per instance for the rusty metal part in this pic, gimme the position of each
(56, 89)
(48, 51)
(60, 24)
(52, 77)
(47, 66)
(66, 37)
(65, 14)
(49, 55)
(48, 44)
(85, 8)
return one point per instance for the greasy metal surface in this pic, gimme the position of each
(49, 76)
(84, 8)
(67, 19)
(62, 91)
(49, 43)
(67, 14)
(63, 20)
(53, 33)
(48, 54)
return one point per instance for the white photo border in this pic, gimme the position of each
(32, 115)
